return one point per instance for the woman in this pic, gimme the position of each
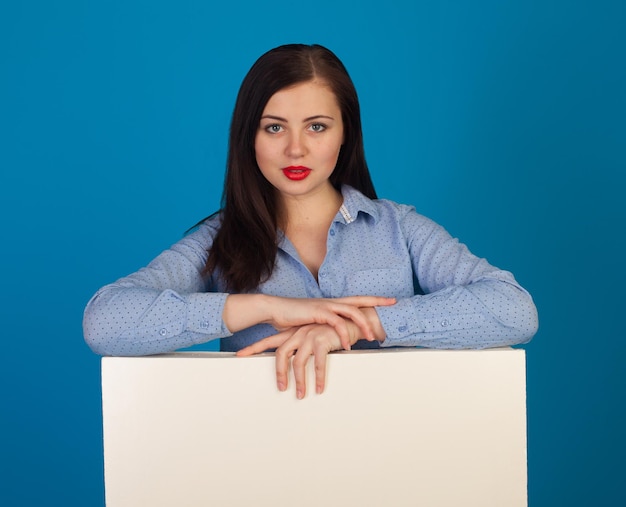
(303, 258)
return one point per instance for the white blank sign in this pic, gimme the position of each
(400, 427)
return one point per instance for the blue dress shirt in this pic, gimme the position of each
(446, 296)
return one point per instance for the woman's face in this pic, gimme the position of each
(299, 138)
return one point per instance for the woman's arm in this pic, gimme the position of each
(468, 303)
(160, 308)
(168, 305)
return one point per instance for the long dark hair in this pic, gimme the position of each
(244, 249)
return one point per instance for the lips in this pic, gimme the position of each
(296, 173)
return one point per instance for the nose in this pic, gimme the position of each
(295, 145)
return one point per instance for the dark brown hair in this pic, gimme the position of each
(244, 249)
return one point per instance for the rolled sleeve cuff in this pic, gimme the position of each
(407, 324)
(399, 322)
(204, 314)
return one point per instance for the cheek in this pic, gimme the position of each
(260, 152)
(265, 158)
(331, 151)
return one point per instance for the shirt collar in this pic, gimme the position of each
(353, 203)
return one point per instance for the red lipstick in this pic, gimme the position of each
(296, 173)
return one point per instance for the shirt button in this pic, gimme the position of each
(163, 332)
(402, 329)
(332, 232)
(204, 324)
(444, 322)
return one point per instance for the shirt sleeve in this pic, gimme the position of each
(467, 302)
(160, 308)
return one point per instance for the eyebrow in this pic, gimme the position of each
(310, 118)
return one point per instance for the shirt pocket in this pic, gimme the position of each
(387, 282)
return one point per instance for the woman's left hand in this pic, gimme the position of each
(300, 343)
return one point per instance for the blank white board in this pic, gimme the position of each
(400, 427)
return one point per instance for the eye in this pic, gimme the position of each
(317, 127)
(273, 128)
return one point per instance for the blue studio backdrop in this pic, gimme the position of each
(503, 121)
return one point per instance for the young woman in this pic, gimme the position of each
(302, 257)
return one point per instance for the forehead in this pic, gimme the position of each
(308, 97)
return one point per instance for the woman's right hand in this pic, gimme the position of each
(245, 310)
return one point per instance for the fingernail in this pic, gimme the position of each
(299, 395)
(318, 389)
(281, 386)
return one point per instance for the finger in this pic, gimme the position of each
(300, 360)
(271, 342)
(356, 316)
(320, 353)
(283, 354)
(340, 326)
(361, 301)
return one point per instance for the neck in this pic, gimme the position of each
(318, 208)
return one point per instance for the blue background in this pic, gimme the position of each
(503, 121)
